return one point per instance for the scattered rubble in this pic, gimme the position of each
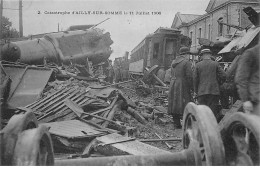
(77, 111)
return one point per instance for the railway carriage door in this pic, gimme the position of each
(169, 52)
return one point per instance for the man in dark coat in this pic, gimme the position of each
(180, 86)
(110, 69)
(207, 75)
(247, 80)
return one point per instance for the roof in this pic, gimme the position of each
(216, 3)
(189, 19)
(182, 19)
(165, 30)
(185, 18)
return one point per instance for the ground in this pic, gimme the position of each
(165, 130)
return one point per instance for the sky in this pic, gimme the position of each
(127, 29)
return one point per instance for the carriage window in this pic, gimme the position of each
(155, 50)
(170, 48)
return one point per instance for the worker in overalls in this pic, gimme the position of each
(180, 86)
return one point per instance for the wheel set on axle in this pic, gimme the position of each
(241, 136)
(24, 142)
(200, 125)
(235, 141)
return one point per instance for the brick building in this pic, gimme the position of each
(207, 25)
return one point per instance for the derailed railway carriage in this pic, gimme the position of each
(159, 48)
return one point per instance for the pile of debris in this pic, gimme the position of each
(80, 111)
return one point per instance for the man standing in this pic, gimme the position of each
(180, 86)
(110, 72)
(247, 80)
(207, 75)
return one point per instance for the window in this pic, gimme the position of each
(155, 50)
(209, 32)
(199, 35)
(169, 47)
(220, 26)
(191, 34)
(228, 29)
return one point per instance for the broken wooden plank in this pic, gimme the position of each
(96, 125)
(76, 109)
(136, 115)
(158, 140)
(61, 102)
(111, 114)
(118, 141)
(102, 87)
(57, 100)
(133, 147)
(167, 144)
(72, 129)
(63, 106)
(71, 114)
(108, 108)
(55, 94)
(65, 111)
(89, 149)
(55, 111)
(50, 99)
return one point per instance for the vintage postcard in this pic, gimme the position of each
(130, 82)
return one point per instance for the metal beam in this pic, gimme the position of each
(183, 158)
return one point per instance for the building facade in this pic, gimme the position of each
(209, 25)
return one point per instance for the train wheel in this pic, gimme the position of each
(241, 137)
(200, 125)
(34, 147)
(16, 125)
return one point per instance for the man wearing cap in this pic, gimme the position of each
(180, 86)
(207, 75)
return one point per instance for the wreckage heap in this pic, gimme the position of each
(79, 111)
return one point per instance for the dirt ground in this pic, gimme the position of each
(165, 130)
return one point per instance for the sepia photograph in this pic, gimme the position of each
(129, 83)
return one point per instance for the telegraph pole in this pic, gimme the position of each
(1, 20)
(20, 18)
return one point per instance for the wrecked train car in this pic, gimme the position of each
(61, 47)
(159, 48)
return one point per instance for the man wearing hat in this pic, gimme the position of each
(207, 74)
(180, 86)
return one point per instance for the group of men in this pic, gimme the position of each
(204, 80)
(115, 73)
